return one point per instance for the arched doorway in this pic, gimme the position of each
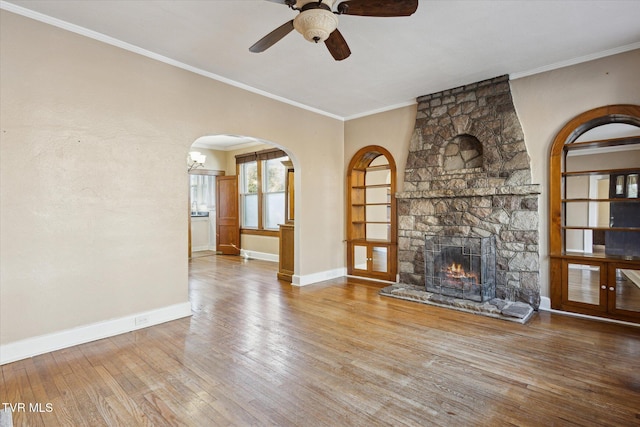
(259, 173)
(594, 233)
(371, 214)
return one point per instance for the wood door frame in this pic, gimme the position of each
(356, 171)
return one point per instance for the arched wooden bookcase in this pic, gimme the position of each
(371, 214)
(604, 281)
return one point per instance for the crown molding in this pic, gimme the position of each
(575, 61)
(382, 110)
(10, 7)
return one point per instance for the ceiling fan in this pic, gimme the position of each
(317, 21)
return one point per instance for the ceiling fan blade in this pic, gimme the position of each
(383, 8)
(286, 2)
(272, 38)
(337, 46)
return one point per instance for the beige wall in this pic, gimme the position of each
(546, 101)
(216, 159)
(391, 130)
(93, 177)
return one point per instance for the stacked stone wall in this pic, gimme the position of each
(449, 190)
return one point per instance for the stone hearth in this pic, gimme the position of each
(468, 174)
(519, 312)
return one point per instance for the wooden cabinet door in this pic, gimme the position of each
(373, 260)
(584, 285)
(227, 218)
(623, 290)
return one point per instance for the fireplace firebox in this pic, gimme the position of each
(461, 267)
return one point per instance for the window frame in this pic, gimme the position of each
(259, 157)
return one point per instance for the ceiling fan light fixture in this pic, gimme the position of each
(315, 24)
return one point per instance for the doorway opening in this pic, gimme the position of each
(238, 198)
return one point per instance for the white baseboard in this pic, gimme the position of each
(30, 347)
(375, 280)
(545, 305)
(264, 256)
(321, 276)
(203, 248)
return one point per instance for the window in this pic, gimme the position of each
(249, 194)
(262, 180)
(202, 196)
(273, 192)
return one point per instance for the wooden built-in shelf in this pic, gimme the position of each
(621, 199)
(362, 187)
(597, 284)
(580, 256)
(601, 172)
(377, 241)
(602, 143)
(370, 222)
(576, 227)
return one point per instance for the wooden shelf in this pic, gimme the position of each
(377, 168)
(601, 172)
(602, 143)
(570, 227)
(621, 199)
(376, 241)
(362, 187)
(595, 256)
(371, 222)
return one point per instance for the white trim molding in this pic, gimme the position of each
(309, 279)
(30, 347)
(575, 61)
(545, 305)
(264, 256)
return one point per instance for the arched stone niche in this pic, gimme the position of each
(463, 152)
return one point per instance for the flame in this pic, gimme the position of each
(457, 271)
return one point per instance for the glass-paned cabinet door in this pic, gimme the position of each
(380, 259)
(624, 288)
(360, 257)
(585, 284)
(371, 258)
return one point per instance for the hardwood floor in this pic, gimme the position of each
(260, 352)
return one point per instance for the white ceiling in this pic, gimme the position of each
(226, 142)
(445, 44)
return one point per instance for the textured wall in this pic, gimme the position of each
(455, 186)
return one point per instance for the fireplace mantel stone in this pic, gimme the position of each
(468, 173)
(532, 189)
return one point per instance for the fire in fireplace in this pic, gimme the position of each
(456, 272)
(461, 267)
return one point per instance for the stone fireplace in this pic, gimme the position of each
(468, 176)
